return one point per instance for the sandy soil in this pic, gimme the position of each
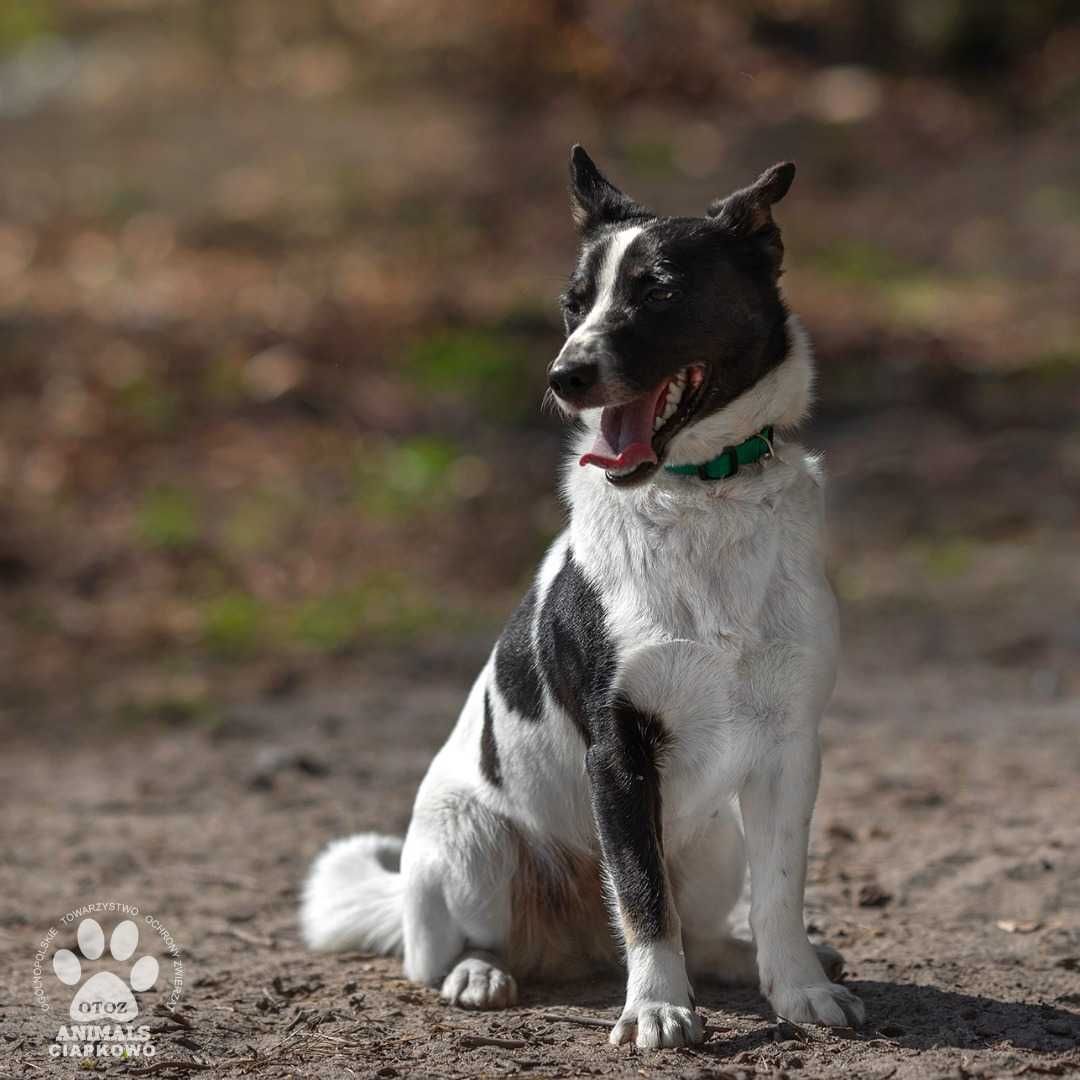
(943, 865)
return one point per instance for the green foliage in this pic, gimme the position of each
(400, 479)
(948, 557)
(396, 607)
(858, 262)
(223, 381)
(24, 20)
(1055, 364)
(485, 367)
(650, 157)
(233, 624)
(168, 519)
(381, 607)
(152, 405)
(255, 523)
(329, 623)
(124, 202)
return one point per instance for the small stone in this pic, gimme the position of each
(786, 1031)
(274, 372)
(872, 895)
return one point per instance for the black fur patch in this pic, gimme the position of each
(623, 763)
(516, 675)
(726, 310)
(577, 655)
(489, 750)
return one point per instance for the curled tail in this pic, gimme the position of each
(354, 895)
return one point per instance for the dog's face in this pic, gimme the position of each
(667, 319)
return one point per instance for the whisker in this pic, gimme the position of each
(551, 403)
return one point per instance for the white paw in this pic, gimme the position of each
(475, 983)
(826, 1003)
(652, 1025)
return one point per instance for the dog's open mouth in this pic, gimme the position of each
(633, 436)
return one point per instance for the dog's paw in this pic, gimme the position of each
(826, 1003)
(476, 983)
(653, 1025)
(832, 961)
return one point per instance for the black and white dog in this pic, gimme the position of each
(673, 656)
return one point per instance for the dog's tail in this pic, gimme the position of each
(354, 895)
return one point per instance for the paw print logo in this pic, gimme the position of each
(105, 996)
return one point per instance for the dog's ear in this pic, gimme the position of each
(748, 212)
(594, 200)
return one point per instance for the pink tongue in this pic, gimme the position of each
(625, 437)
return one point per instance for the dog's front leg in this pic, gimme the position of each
(624, 767)
(777, 802)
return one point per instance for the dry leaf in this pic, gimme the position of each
(1011, 926)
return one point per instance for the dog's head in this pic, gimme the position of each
(668, 319)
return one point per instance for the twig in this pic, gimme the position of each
(174, 1017)
(470, 1042)
(327, 1038)
(245, 937)
(299, 1018)
(162, 1066)
(788, 1029)
(584, 1021)
(600, 1022)
(235, 881)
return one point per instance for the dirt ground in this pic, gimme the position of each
(944, 866)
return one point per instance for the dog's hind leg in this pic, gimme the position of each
(708, 872)
(479, 981)
(457, 904)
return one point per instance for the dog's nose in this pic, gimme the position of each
(570, 380)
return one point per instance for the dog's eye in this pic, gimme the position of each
(572, 306)
(660, 295)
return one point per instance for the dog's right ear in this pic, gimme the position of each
(594, 200)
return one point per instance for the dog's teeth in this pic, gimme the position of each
(672, 397)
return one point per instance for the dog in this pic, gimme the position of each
(670, 663)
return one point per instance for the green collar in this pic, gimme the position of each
(727, 463)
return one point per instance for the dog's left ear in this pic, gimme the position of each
(748, 212)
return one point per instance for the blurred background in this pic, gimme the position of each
(277, 291)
